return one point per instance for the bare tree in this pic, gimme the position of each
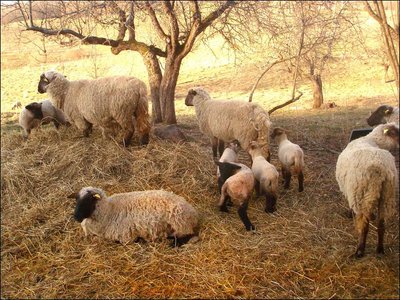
(176, 26)
(390, 33)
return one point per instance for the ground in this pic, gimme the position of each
(303, 250)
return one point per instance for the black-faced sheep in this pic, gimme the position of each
(266, 177)
(384, 114)
(127, 217)
(229, 120)
(291, 157)
(36, 113)
(367, 176)
(105, 102)
(238, 187)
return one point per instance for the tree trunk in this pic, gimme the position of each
(155, 77)
(167, 89)
(318, 96)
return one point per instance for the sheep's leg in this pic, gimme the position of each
(144, 139)
(214, 142)
(221, 147)
(301, 181)
(258, 188)
(128, 138)
(362, 225)
(56, 124)
(270, 202)
(242, 211)
(381, 228)
(269, 156)
(223, 207)
(287, 175)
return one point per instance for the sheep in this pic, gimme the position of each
(266, 177)
(238, 185)
(367, 176)
(106, 102)
(16, 104)
(384, 114)
(291, 157)
(229, 120)
(125, 217)
(36, 113)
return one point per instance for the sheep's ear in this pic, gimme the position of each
(192, 92)
(388, 110)
(73, 195)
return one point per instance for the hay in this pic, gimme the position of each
(301, 251)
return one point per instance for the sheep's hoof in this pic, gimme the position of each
(359, 253)
(301, 189)
(223, 208)
(229, 202)
(251, 228)
(270, 210)
(380, 250)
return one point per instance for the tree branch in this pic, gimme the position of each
(130, 23)
(155, 21)
(122, 20)
(286, 103)
(173, 22)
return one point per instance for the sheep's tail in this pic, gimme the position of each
(298, 163)
(142, 115)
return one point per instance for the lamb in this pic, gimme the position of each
(36, 113)
(106, 102)
(384, 114)
(238, 185)
(16, 104)
(291, 157)
(367, 176)
(266, 177)
(229, 120)
(148, 215)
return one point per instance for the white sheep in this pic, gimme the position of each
(149, 215)
(238, 185)
(36, 113)
(105, 102)
(291, 157)
(367, 176)
(227, 120)
(16, 104)
(266, 176)
(384, 114)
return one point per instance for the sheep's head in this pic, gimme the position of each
(379, 115)
(189, 97)
(200, 92)
(36, 109)
(277, 132)
(391, 131)
(46, 79)
(86, 201)
(234, 145)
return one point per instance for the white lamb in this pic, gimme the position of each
(266, 177)
(126, 217)
(291, 157)
(34, 114)
(384, 114)
(108, 102)
(367, 176)
(227, 120)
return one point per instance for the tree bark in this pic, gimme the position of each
(155, 76)
(167, 89)
(318, 96)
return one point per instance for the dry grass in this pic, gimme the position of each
(301, 251)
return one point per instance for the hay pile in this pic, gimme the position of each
(301, 251)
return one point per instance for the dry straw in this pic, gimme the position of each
(301, 251)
